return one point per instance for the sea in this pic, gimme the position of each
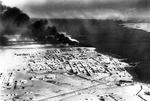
(107, 36)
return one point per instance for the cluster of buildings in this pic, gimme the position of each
(68, 69)
(81, 61)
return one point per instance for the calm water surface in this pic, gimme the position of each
(110, 37)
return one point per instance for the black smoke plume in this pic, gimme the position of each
(41, 32)
(13, 21)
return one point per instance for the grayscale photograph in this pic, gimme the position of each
(74, 50)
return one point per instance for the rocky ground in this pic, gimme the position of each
(66, 74)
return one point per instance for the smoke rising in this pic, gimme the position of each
(41, 32)
(13, 22)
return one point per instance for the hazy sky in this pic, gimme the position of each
(99, 9)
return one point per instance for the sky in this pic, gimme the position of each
(97, 9)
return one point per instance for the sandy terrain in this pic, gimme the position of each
(66, 74)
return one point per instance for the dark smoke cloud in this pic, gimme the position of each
(13, 17)
(13, 22)
(41, 32)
